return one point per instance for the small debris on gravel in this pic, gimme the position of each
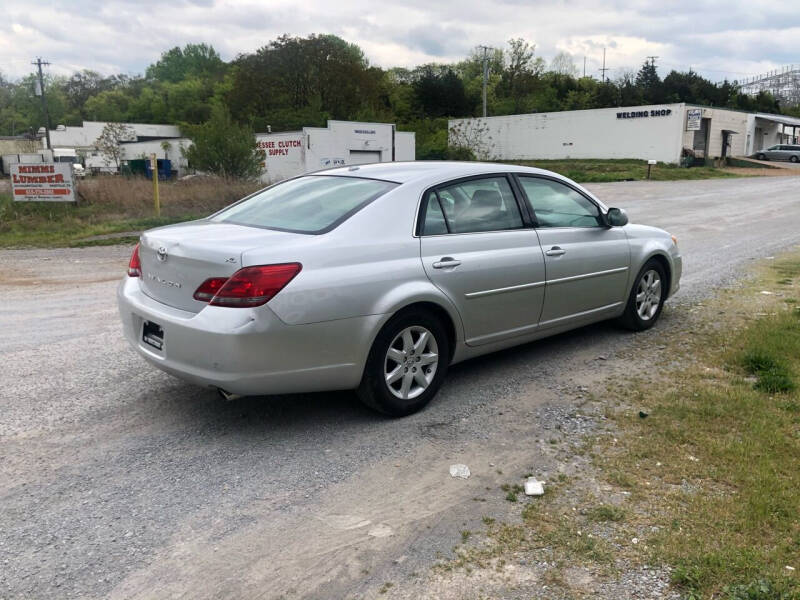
(643, 414)
(534, 487)
(459, 470)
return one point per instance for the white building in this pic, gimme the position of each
(659, 132)
(143, 139)
(340, 143)
(86, 135)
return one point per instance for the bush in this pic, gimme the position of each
(222, 147)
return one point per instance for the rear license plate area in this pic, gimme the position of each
(153, 335)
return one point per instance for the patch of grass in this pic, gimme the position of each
(465, 535)
(110, 205)
(607, 512)
(772, 374)
(386, 587)
(513, 491)
(599, 170)
(725, 496)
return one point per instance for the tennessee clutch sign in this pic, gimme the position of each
(43, 182)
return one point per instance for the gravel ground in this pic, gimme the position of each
(118, 481)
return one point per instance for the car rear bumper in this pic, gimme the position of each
(248, 351)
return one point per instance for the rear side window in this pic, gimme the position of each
(473, 206)
(312, 204)
(435, 223)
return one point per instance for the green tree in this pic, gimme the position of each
(194, 60)
(223, 147)
(439, 92)
(648, 81)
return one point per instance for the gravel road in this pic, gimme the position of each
(118, 481)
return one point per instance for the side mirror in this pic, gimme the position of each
(616, 217)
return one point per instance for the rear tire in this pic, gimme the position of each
(647, 297)
(406, 365)
(794, 158)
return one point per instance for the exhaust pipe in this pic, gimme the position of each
(226, 395)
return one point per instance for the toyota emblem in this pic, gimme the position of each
(161, 254)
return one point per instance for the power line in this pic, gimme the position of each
(39, 63)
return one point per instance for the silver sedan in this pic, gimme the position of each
(376, 278)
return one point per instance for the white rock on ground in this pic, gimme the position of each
(459, 470)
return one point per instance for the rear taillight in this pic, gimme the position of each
(135, 265)
(250, 286)
(209, 288)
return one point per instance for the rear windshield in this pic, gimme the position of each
(312, 204)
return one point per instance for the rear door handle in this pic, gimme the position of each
(555, 251)
(447, 262)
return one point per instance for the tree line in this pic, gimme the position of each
(303, 81)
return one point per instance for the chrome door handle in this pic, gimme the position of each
(446, 263)
(555, 251)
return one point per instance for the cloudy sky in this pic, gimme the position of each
(719, 39)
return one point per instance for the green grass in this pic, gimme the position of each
(708, 485)
(57, 224)
(732, 527)
(606, 512)
(112, 205)
(597, 170)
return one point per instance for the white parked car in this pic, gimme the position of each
(376, 278)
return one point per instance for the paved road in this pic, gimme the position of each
(119, 481)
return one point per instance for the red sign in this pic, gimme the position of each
(42, 182)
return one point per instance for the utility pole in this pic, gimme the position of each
(485, 73)
(652, 60)
(584, 66)
(604, 69)
(39, 63)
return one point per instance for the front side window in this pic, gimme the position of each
(475, 205)
(312, 204)
(558, 205)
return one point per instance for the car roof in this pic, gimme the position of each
(405, 172)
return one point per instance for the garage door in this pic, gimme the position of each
(363, 157)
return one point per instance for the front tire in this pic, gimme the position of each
(794, 158)
(647, 297)
(406, 365)
(760, 156)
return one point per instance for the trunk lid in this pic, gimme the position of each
(176, 259)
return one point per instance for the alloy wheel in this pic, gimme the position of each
(648, 295)
(411, 362)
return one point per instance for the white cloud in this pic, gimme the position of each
(719, 39)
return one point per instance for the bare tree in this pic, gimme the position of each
(110, 141)
(564, 65)
(470, 137)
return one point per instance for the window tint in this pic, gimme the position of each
(434, 217)
(479, 205)
(557, 205)
(312, 204)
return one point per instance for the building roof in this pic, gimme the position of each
(795, 122)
